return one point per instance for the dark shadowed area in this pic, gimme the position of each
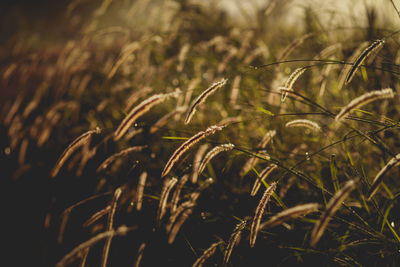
(180, 133)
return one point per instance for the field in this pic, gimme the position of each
(173, 133)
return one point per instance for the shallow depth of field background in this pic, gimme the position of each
(67, 67)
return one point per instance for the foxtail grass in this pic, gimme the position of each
(290, 213)
(229, 120)
(312, 125)
(176, 195)
(73, 254)
(288, 85)
(163, 121)
(66, 213)
(263, 175)
(14, 108)
(365, 99)
(212, 153)
(122, 153)
(140, 254)
(182, 56)
(135, 96)
(255, 224)
(178, 211)
(95, 217)
(206, 254)
(187, 145)
(291, 47)
(168, 185)
(77, 143)
(190, 88)
(87, 154)
(128, 50)
(346, 68)
(33, 104)
(140, 190)
(22, 151)
(374, 47)
(201, 98)
(177, 226)
(84, 257)
(235, 91)
(250, 163)
(233, 240)
(139, 110)
(196, 162)
(331, 208)
(189, 204)
(379, 177)
(328, 51)
(110, 227)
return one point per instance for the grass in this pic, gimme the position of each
(131, 194)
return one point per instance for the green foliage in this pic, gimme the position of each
(113, 58)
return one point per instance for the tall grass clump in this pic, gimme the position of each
(267, 136)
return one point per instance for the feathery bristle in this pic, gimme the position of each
(212, 153)
(304, 123)
(365, 99)
(379, 177)
(332, 206)
(290, 213)
(374, 47)
(139, 110)
(78, 142)
(255, 225)
(188, 144)
(202, 97)
(207, 254)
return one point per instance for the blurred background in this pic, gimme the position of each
(27, 15)
(68, 66)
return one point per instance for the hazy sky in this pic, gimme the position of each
(332, 13)
(328, 10)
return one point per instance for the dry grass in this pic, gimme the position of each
(112, 65)
(365, 99)
(255, 225)
(187, 145)
(202, 97)
(332, 206)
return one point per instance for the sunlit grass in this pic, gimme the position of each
(327, 118)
